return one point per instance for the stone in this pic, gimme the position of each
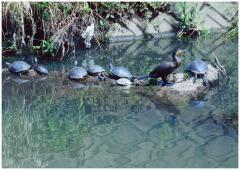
(142, 156)
(221, 146)
(177, 78)
(200, 162)
(133, 25)
(189, 88)
(63, 163)
(102, 158)
(163, 23)
(126, 135)
(209, 129)
(212, 74)
(226, 9)
(212, 19)
(119, 33)
(124, 82)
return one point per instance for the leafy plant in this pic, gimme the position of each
(48, 47)
(187, 15)
(232, 33)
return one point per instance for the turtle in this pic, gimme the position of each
(18, 67)
(198, 67)
(97, 70)
(39, 68)
(119, 72)
(77, 73)
(124, 82)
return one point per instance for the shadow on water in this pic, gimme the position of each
(59, 123)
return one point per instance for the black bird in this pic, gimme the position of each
(163, 70)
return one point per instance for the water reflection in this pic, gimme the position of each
(60, 123)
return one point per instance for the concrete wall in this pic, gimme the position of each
(210, 16)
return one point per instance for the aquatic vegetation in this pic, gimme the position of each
(40, 132)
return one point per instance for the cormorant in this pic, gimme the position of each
(163, 70)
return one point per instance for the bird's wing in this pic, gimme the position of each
(163, 67)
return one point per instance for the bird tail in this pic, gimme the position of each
(143, 77)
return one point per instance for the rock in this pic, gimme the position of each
(177, 78)
(184, 91)
(119, 33)
(134, 25)
(31, 73)
(213, 18)
(124, 82)
(133, 31)
(219, 146)
(189, 88)
(212, 74)
(163, 23)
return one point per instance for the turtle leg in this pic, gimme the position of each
(205, 80)
(101, 76)
(195, 78)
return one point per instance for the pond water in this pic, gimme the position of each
(56, 123)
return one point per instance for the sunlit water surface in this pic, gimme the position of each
(53, 122)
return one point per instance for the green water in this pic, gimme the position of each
(58, 123)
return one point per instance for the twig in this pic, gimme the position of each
(219, 66)
(101, 17)
(194, 30)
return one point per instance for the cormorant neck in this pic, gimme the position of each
(177, 60)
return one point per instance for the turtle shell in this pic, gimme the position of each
(19, 67)
(41, 69)
(198, 66)
(95, 69)
(77, 73)
(120, 72)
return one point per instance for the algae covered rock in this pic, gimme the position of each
(186, 90)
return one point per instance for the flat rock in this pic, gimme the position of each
(187, 87)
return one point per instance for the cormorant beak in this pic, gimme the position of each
(180, 52)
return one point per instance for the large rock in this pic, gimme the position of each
(209, 16)
(163, 23)
(119, 33)
(187, 87)
(133, 30)
(186, 90)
